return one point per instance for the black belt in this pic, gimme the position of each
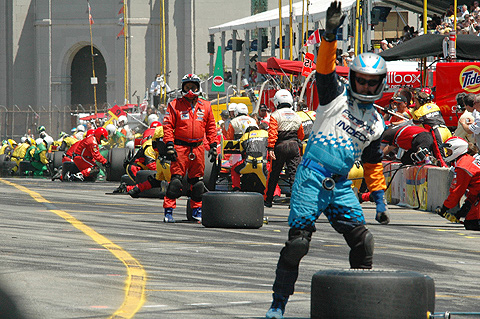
(183, 143)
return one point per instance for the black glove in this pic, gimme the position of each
(212, 153)
(334, 21)
(135, 192)
(171, 152)
(443, 212)
(107, 165)
(463, 211)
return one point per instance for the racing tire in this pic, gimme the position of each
(232, 210)
(7, 167)
(57, 159)
(210, 174)
(24, 166)
(189, 212)
(2, 159)
(69, 167)
(116, 157)
(365, 294)
(157, 192)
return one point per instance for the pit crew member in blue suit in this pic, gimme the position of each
(347, 128)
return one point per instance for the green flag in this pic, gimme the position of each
(218, 80)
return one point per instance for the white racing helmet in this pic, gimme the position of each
(458, 146)
(241, 109)
(122, 118)
(130, 145)
(80, 128)
(191, 78)
(38, 141)
(49, 140)
(232, 107)
(152, 118)
(371, 64)
(283, 98)
(111, 129)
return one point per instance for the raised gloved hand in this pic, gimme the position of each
(334, 21)
(212, 153)
(442, 211)
(134, 192)
(171, 152)
(382, 215)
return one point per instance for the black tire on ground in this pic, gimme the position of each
(211, 173)
(366, 294)
(185, 186)
(189, 211)
(24, 166)
(2, 159)
(7, 167)
(141, 177)
(116, 157)
(232, 210)
(57, 159)
(69, 167)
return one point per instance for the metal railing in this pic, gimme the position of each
(16, 121)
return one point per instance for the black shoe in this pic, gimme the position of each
(121, 189)
(236, 189)
(267, 204)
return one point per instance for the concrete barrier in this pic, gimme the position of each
(424, 187)
(439, 180)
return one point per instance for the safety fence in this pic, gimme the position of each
(17, 121)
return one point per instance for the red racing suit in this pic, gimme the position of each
(186, 126)
(467, 178)
(86, 154)
(68, 155)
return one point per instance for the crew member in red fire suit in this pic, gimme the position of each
(187, 121)
(87, 153)
(467, 180)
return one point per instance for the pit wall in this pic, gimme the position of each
(431, 183)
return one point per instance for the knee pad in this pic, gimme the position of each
(153, 181)
(296, 247)
(198, 188)
(361, 243)
(175, 187)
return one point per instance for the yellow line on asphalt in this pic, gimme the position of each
(136, 275)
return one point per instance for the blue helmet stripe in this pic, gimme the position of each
(361, 61)
(376, 64)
